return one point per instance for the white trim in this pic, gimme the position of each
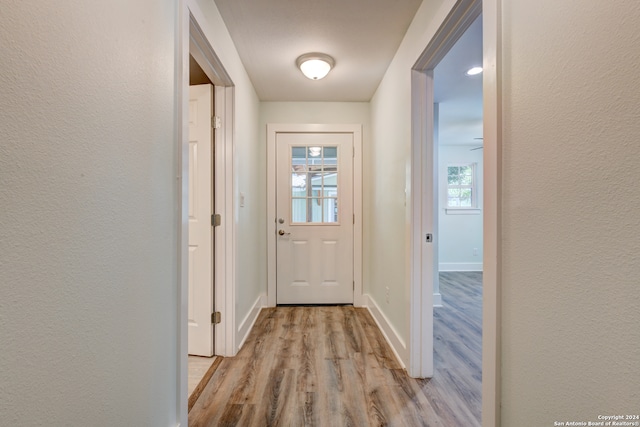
(272, 130)
(224, 257)
(397, 344)
(424, 220)
(453, 26)
(437, 299)
(424, 200)
(190, 33)
(358, 224)
(249, 320)
(271, 217)
(460, 266)
(182, 174)
(462, 211)
(225, 237)
(492, 228)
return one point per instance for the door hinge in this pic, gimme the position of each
(429, 238)
(216, 317)
(216, 220)
(216, 123)
(354, 218)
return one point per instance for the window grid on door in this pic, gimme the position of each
(314, 184)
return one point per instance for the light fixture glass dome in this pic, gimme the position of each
(315, 65)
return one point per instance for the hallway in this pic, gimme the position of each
(318, 366)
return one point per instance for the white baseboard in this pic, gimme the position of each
(460, 266)
(249, 320)
(397, 344)
(437, 299)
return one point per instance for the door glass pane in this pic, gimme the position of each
(330, 158)
(299, 210)
(330, 210)
(298, 184)
(315, 209)
(314, 184)
(330, 184)
(298, 153)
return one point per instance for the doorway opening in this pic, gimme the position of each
(424, 197)
(427, 205)
(195, 53)
(201, 230)
(458, 172)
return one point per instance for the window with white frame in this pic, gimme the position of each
(461, 186)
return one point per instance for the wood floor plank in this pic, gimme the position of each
(203, 382)
(331, 366)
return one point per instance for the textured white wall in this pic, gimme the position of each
(389, 172)
(458, 235)
(571, 227)
(88, 217)
(249, 170)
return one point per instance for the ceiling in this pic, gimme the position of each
(362, 36)
(459, 96)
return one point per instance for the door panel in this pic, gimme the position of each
(200, 301)
(314, 209)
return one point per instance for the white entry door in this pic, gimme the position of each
(314, 218)
(200, 335)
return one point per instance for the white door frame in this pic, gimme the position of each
(272, 131)
(224, 235)
(191, 38)
(424, 198)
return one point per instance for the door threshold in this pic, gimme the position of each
(316, 305)
(193, 398)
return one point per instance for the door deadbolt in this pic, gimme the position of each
(281, 220)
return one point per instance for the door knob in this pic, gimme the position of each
(282, 232)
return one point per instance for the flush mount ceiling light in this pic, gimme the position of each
(315, 65)
(473, 71)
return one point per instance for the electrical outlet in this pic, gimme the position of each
(387, 294)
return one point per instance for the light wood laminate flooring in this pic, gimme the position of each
(197, 367)
(330, 366)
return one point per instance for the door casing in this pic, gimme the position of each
(191, 39)
(224, 236)
(461, 14)
(272, 131)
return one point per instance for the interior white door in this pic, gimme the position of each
(314, 210)
(200, 335)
